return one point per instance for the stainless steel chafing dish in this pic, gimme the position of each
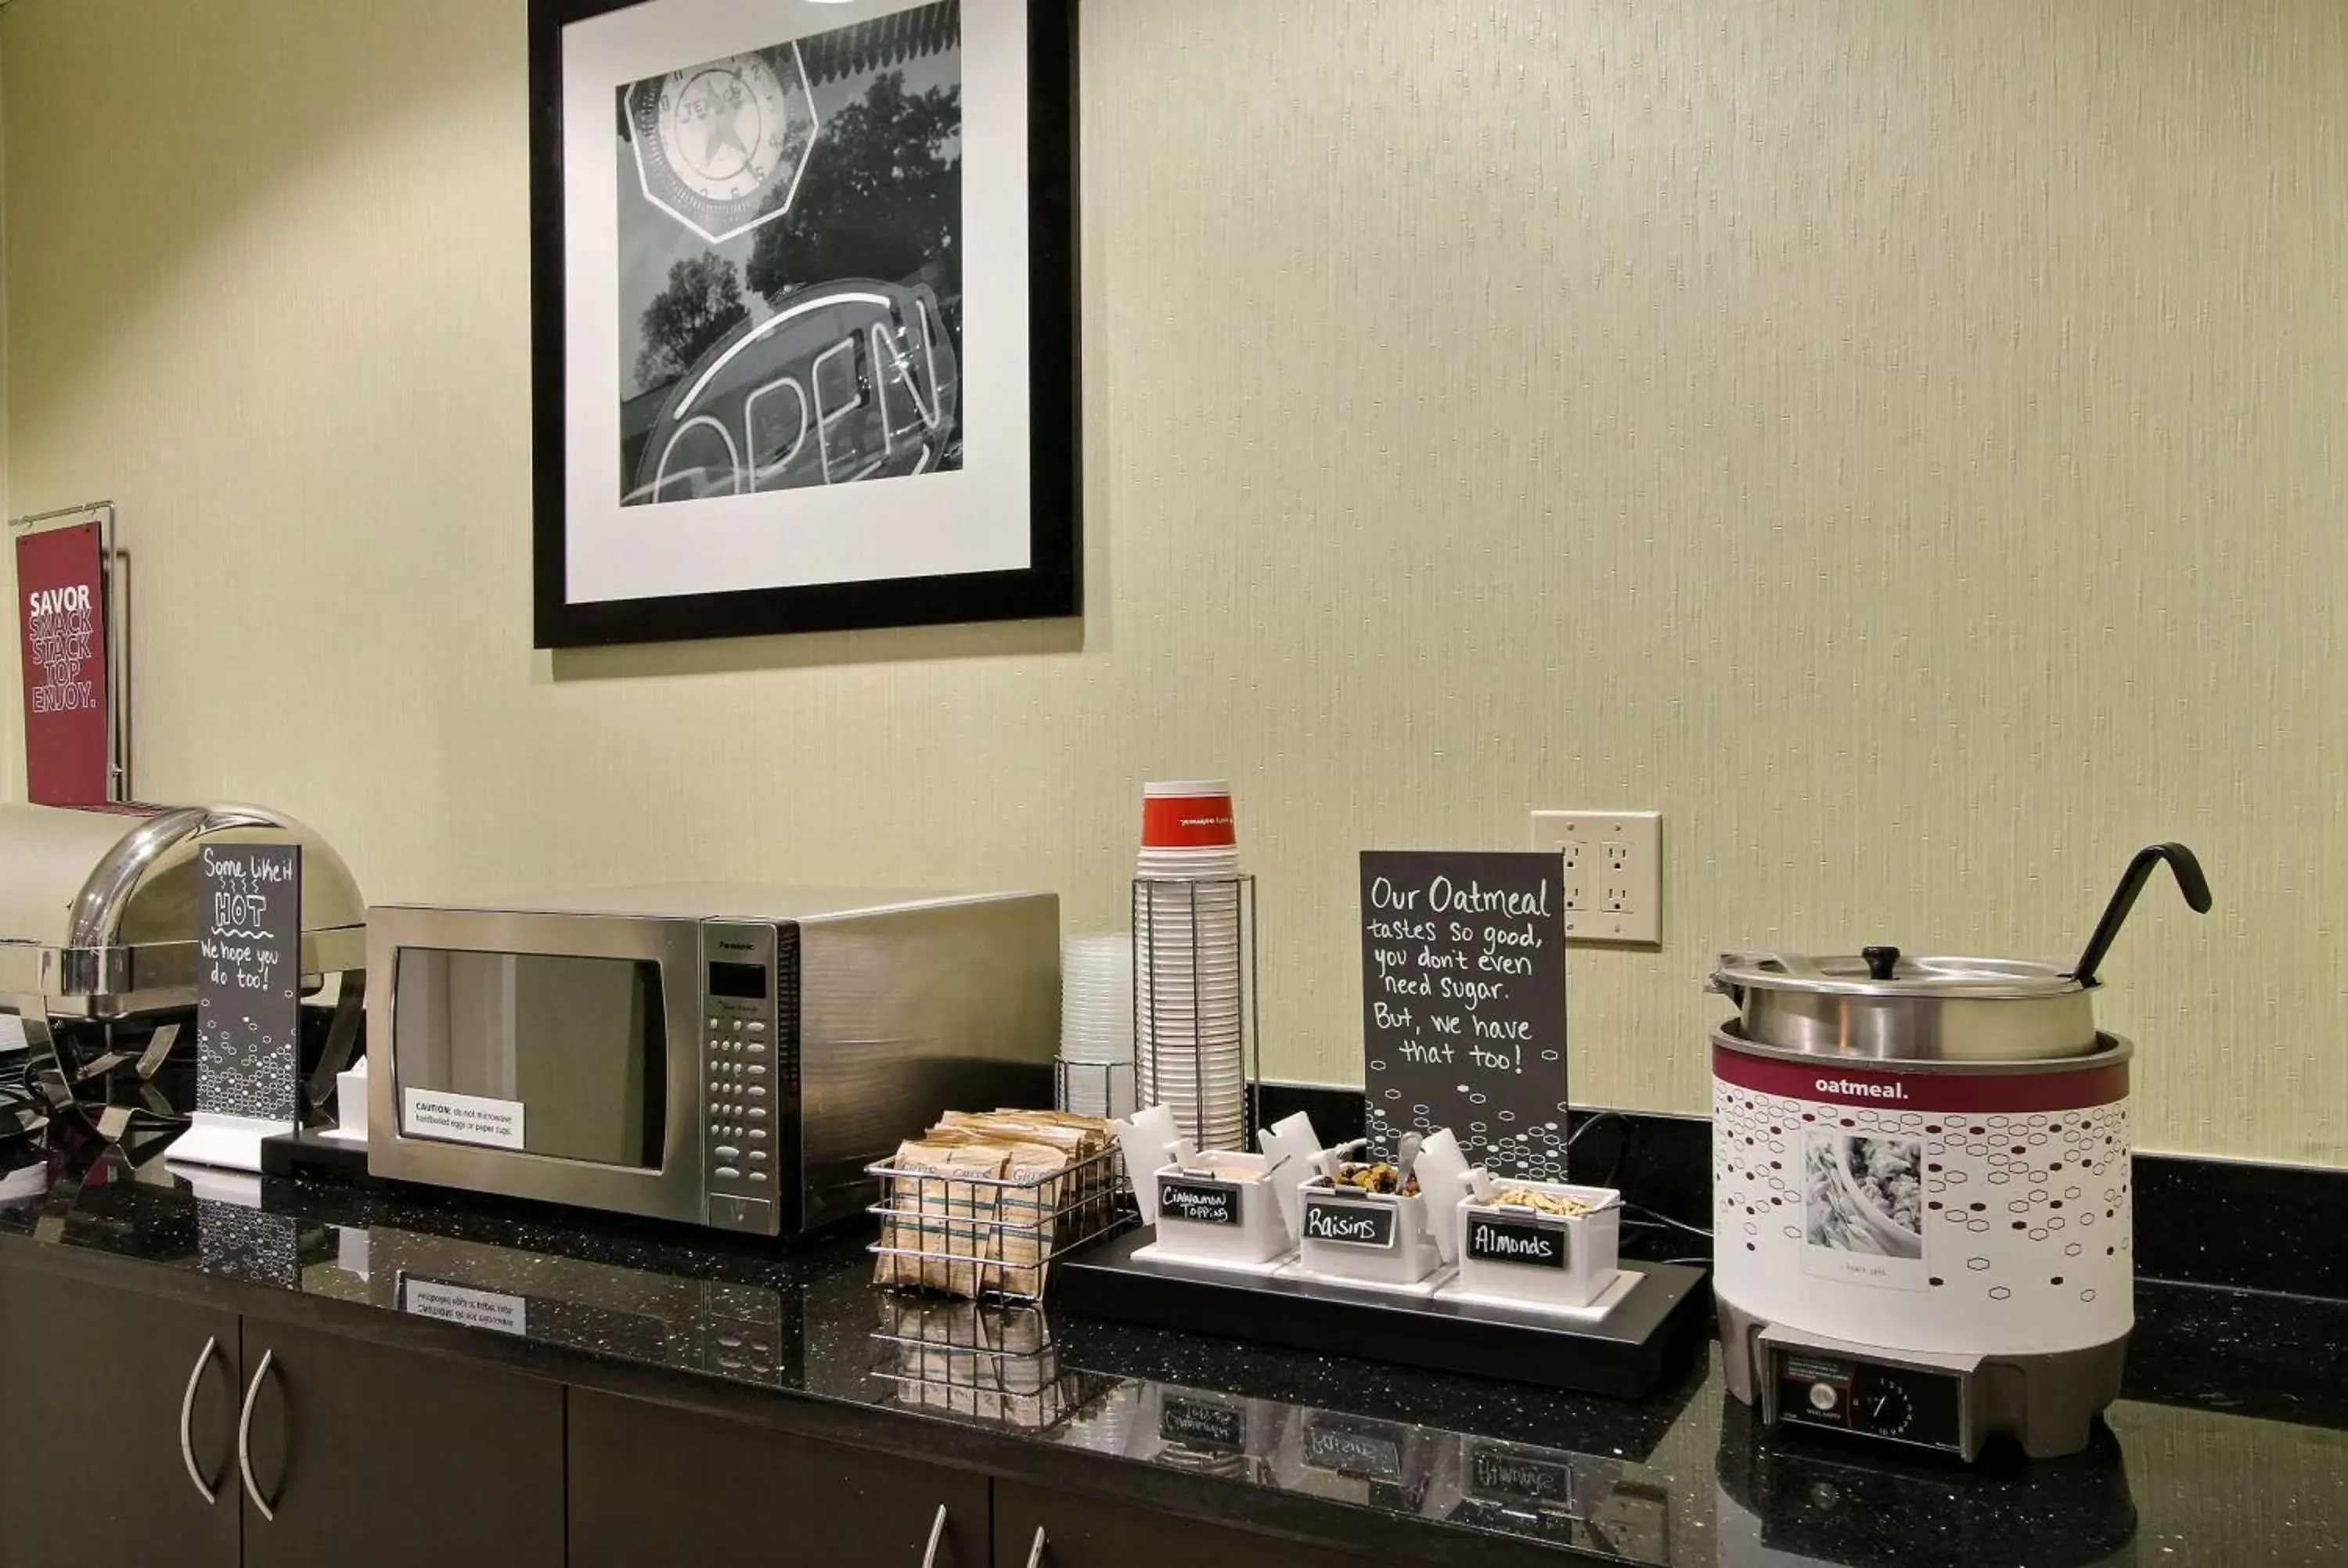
(97, 908)
(98, 921)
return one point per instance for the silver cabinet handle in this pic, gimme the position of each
(244, 1438)
(1036, 1553)
(937, 1533)
(187, 1412)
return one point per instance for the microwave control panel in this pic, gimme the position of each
(741, 1071)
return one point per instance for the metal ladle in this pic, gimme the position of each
(2189, 881)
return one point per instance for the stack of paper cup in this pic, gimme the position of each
(1188, 989)
(1096, 1025)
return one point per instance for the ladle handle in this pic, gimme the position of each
(2189, 881)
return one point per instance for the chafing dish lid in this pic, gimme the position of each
(1887, 972)
(113, 877)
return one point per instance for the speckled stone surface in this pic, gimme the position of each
(2231, 1445)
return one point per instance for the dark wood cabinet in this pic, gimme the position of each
(373, 1457)
(95, 1382)
(370, 1455)
(652, 1485)
(1038, 1528)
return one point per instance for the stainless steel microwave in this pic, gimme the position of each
(722, 1055)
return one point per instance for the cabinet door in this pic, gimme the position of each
(651, 1484)
(1034, 1528)
(371, 1457)
(95, 1381)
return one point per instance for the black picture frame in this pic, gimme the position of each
(1051, 584)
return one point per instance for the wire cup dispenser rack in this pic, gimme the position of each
(1197, 1040)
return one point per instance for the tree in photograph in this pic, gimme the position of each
(702, 303)
(881, 196)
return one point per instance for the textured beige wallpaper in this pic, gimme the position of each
(1905, 445)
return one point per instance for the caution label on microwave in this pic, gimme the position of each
(460, 1118)
(490, 1309)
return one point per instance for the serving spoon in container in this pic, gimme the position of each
(2189, 881)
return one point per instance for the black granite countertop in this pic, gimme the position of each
(2231, 1445)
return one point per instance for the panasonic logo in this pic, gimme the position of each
(1871, 1090)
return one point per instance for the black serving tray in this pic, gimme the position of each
(1626, 1354)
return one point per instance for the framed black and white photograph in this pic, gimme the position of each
(805, 334)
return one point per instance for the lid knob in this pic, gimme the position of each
(1882, 963)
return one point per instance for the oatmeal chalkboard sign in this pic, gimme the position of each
(248, 977)
(1463, 1003)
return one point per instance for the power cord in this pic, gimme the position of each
(1621, 1147)
(1639, 1213)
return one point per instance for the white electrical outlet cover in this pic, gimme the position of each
(1613, 877)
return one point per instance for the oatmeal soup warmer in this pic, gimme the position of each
(1920, 1186)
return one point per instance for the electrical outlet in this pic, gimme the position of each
(1576, 889)
(1612, 887)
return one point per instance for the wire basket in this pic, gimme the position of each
(992, 1236)
(994, 1363)
(1195, 1037)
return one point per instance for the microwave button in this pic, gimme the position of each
(728, 1172)
(757, 1113)
(758, 1049)
(757, 1176)
(757, 1134)
(757, 1156)
(757, 1072)
(729, 1154)
(757, 1029)
(756, 1092)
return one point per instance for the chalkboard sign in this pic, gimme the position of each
(1200, 1201)
(1526, 1242)
(1463, 1003)
(233, 1242)
(249, 945)
(1198, 1424)
(1514, 1478)
(1355, 1225)
(1352, 1451)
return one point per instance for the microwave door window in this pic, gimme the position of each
(565, 1057)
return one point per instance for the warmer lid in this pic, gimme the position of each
(1885, 971)
(122, 877)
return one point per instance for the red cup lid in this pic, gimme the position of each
(1187, 822)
